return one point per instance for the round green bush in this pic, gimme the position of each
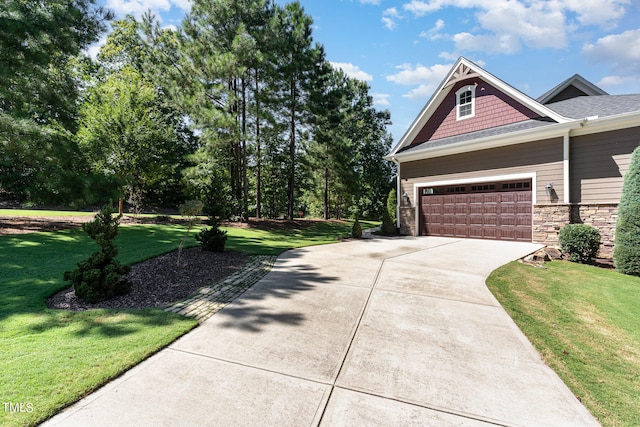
(580, 241)
(212, 239)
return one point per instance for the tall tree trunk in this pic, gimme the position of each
(292, 152)
(326, 193)
(120, 202)
(258, 153)
(234, 166)
(245, 181)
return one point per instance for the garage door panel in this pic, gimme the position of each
(491, 209)
(508, 208)
(500, 215)
(476, 220)
(490, 233)
(508, 221)
(492, 197)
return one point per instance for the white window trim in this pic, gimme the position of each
(471, 88)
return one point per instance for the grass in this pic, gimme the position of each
(584, 321)
(274, 242)
(51, 358)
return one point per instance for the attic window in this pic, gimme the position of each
(466, 102)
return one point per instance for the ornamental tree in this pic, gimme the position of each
(626, 253)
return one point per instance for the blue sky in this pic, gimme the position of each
(404, 48)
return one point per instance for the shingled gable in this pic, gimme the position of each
(432, 122)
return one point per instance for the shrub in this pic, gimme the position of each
(100, 276)
(212, 239)
(356, 230)
(626, 252)
(580, 241)
(392, 201)
(388, 226)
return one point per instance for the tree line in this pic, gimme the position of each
(238, 107)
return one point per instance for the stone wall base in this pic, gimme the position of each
(549, 219)
(601, 216)
(407, 221)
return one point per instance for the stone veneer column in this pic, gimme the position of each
(407, 221)
(547, 222)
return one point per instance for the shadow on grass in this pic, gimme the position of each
(32, 265)
(103, 323)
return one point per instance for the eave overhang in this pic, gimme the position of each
(585, 126)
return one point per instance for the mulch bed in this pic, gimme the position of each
(160, 281)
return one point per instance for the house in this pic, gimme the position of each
(483, 160)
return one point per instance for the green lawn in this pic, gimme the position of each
(273, 242)
(51, 358)
(585, 322)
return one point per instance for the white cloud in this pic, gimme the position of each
(613, 81)
(374, 2)
(392, 12)
(421, 92)
(389, 17)
(621, 51)
(389, 23)
(597, 12)
(352, 71)
(138, 7)
(434, 32)
(93, 50)
(421, 8)
(589, 12)
(381, 99)
(506, 25)
(412, 75)
(489, 43)
(425, 78)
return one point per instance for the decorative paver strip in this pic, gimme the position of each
(210, 299)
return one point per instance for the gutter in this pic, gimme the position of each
(547, 132)
(398, 195)
(577, 127)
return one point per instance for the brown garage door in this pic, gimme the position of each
(492, 210)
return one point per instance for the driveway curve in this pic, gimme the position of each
(387, 332)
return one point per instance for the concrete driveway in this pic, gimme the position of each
(388, 332)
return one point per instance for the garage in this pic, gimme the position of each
(491, 210)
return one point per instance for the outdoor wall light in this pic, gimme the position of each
(405, 196)
(551, 192)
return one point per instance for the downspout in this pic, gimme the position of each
(398, 195)
(565, 160)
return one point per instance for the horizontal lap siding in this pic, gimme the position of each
(598, 163)
(544, 158)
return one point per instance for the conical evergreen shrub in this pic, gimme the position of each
(356, 229)
(626, 252)
(100, 277)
